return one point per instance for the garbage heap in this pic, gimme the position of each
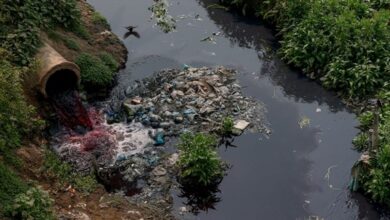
(195, 99)
(131, 155)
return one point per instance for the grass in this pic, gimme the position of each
(71, 44)
(98, 19)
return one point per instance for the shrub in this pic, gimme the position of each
(379, 177)
(109, 61)
(33, 204)
(94, 73)
(198, 161)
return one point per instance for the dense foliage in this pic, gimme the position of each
(21, 21)
(346, 45)
(95, 72)
(198, 161)
(15, 114)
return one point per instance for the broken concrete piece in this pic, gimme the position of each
(241, 125)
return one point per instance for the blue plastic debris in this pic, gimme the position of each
(189, 111)
(159, 139)
(121, 157)
(186, 67)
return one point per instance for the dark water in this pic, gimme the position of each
(294, 174)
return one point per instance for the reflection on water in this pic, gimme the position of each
(284, 176)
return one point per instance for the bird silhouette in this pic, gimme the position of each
(131, 31)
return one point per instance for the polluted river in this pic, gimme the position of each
(294, 162)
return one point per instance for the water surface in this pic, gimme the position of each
(296, 172)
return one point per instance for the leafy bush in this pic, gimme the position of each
(198, 161)
(378, 180)
(109, 61)
(94, 72)
(362, 141)
(33, 204)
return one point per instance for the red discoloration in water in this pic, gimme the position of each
(70, 110)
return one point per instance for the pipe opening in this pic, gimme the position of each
(61, 81)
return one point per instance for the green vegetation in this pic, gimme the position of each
(198, 161)
(63, 172)
(227, 125)
(95, 73)
(33, 204)
(346, 45)
(109, 61)
(21, 22)
(98, 19)
(16, 115)
(160, 14)
(71, 44)
(10, 186)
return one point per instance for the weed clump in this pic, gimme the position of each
(198, 161)
(227, 126)
(63, 171)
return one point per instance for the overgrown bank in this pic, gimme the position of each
(346, 46)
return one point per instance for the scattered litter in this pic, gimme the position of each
(327, 177)
(304, 122)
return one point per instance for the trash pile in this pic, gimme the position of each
(130, 154)
(195, 99)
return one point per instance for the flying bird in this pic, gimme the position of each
(131, 31)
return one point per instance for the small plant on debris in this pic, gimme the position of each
(227, 126)
(33, 204)
(198, 161)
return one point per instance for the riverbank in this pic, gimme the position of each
(345, 46)
(28, 168)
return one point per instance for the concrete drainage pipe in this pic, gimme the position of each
(55, 73)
